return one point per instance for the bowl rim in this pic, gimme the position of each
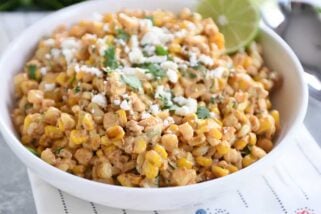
(35, 161)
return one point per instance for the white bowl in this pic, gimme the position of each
(290, 100)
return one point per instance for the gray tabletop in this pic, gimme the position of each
(15, 191)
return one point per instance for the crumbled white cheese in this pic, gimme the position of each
(106, 28)
(125, 105)
(168, 121)
(133, 42)
(162, 93)
(156, 36)
(169, 65)
(55, 52)
(117, 102)
(43, 71)
(69, 47)
(149, 49)
(187, 106)
(206, 60)
(145, 115)
(138, 72)
(155, 59)
(100, 100)
(217, 72)
(154, 109)
(101, 44)
(193, 59)
(145, 24)
(49, 86)
(87, 69)
(49, 42)
(172, 75)
(136, 56)
(180, 34)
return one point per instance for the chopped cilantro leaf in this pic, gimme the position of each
(77, 89)
(110, 58)
(166, 103)
(213, 100)
(154, 70)
(202, 112)
(58, 150)
(160, 51)
(32, 69)
(121, 34)
(192, 75)
(132, 81)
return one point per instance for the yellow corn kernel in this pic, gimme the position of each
(115, 132)
(88, 122)
(27, 121)
(53, 132)
(154, 158)
(268, 104)
(122, 117)
(265, 124)
(219, 40)
(170, 142)
(173, 128)
(66, 122)
(247, 62)
(265, 144)
(240, 144)
(100, 153)
(124, 180)
(252, 138)
(174, 48)
(219, 171)
(184, 163)
(218, 121)
(276, 115)
(215, 133)
(109, 149)
(161, 151)
(104, 140)
(118, 142)
(248, 160)
(26, 139)
(150, 170)
(222, 148)
(78, 137)
(140, 146)
(62, 79)
(202, 127)
(204, 161)
(215, 110)
(190, 118)
(231, 168)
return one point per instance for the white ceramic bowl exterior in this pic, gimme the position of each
(291, 101)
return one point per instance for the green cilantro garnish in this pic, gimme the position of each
(110, 58)
(58, 150)
(160, 51)
(121, 34)
(166, 103)
(154, 70)
(246, 151)
(77, 89)
(202, 112)
(32, 150)
(213, 100)
(192, 75)
(132, 81)
(32, 69)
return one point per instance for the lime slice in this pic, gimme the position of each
(238, 20)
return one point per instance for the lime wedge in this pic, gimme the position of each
(238, 20)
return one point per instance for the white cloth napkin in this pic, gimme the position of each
(292, 185)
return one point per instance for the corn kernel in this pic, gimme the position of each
(222, 148)
(124, 180)
(115, 132)
(122, 117)
(140, 146)
(78, 137)
(252, 138)
(150, 170)
(276, 115)
(173, 128)
(248, 160)
(104, 140)
(265, 144)
(184, 163)
(154, 158)
(219, 171)
(174, 48)
(202, 127)
(240, 144)
(62, 78)
(53, 132)
(88, 122)
(161, 151)
(204, 161)
(265, 124)
(215, 133)
(231, 168)
(66, 122)
(170, 142)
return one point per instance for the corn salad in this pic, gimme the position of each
(145, 99)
